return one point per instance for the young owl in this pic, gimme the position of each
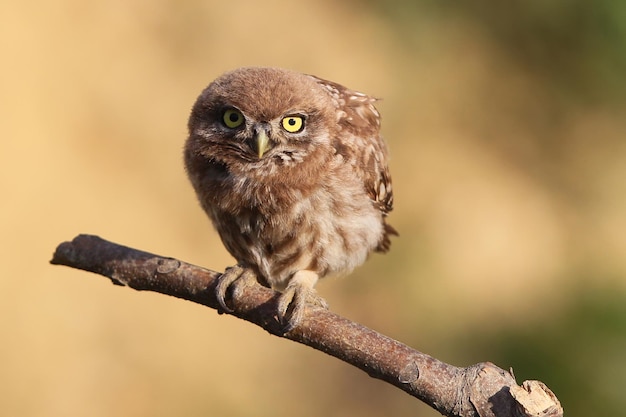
(292, 171)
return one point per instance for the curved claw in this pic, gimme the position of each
(225, 282)
(292, 302)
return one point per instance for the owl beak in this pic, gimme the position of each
(262, 142)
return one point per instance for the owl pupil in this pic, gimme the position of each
(233, 117)
(291, 122)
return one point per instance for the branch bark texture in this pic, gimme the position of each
(481, 390)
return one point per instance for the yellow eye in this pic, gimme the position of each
(232, 118)
(293, 124)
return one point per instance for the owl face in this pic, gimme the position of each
(264, 117)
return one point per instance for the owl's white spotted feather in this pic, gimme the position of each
(366, 150)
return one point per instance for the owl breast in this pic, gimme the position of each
(330, 226)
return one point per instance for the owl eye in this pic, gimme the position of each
(293, 124)
(232, 118)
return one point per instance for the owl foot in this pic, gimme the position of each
(230, 280)
(292, 302)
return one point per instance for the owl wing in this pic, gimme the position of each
(361, 144)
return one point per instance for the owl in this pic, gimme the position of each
(292, 171)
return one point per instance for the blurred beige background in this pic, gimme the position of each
(509, 180)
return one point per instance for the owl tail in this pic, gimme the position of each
(385, 242)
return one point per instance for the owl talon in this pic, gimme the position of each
(293, 301)
(229, 280)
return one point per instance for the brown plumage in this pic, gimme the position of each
(293, 173)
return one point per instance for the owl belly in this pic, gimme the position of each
(331, 231)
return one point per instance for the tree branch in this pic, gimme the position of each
(479, 390)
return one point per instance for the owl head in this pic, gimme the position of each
(263, 117)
